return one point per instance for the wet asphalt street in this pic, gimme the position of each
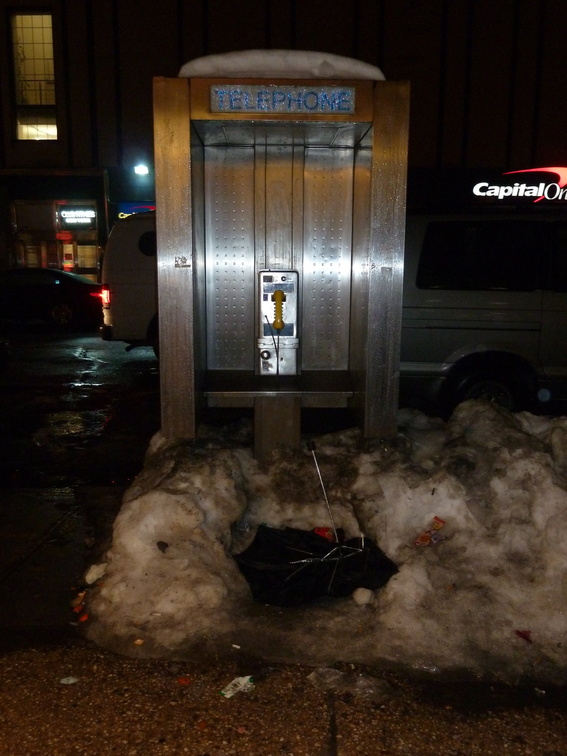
(76, 416)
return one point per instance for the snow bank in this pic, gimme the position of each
(487, 599)
(282, 64)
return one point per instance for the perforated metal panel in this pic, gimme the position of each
(327, 258)
(271, 208)
(229, 245)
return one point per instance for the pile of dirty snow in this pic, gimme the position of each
(473, 512)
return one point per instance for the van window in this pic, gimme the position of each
(559, 267)
(481, 255)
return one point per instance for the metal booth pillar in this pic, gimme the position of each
(280, 227)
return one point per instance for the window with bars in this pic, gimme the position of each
(34, 77)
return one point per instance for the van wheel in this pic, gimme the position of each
(509, 387)
(491, 389)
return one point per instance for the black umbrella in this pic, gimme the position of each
(288, 566)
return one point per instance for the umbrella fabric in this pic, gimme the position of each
(288, 566)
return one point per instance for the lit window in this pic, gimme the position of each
(32, 41)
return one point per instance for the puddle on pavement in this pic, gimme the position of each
(72, 423)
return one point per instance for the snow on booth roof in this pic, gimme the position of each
(283, 64)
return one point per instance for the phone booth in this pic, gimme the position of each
(280, 195)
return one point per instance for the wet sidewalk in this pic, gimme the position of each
(49, 538)
(70, 697)
(43, 549)
(76, 416)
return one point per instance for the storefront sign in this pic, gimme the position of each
(553, 190)
(278, 99)
(77, 217)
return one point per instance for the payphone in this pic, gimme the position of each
(277, 170)
(277, 327)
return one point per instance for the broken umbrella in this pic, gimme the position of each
(289, 567)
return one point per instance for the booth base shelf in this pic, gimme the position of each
(238, 388)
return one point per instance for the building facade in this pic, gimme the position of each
(487, 82)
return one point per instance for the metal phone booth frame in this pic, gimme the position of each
(319, 195)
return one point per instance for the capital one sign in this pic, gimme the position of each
(543, 190)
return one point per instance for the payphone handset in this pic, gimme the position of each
(277, 326)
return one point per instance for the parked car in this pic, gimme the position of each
(55, 296)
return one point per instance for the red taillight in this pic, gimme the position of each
(105, 296)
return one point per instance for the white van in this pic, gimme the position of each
(129, 286)
(484, 310)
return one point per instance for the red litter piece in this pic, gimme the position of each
(524, 635)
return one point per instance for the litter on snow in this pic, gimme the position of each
(238, 685)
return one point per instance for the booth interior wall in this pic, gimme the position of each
(277, 189)
(327, 258)
(199, 271)
(358, 340)
(281, 206)
(229, 257)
